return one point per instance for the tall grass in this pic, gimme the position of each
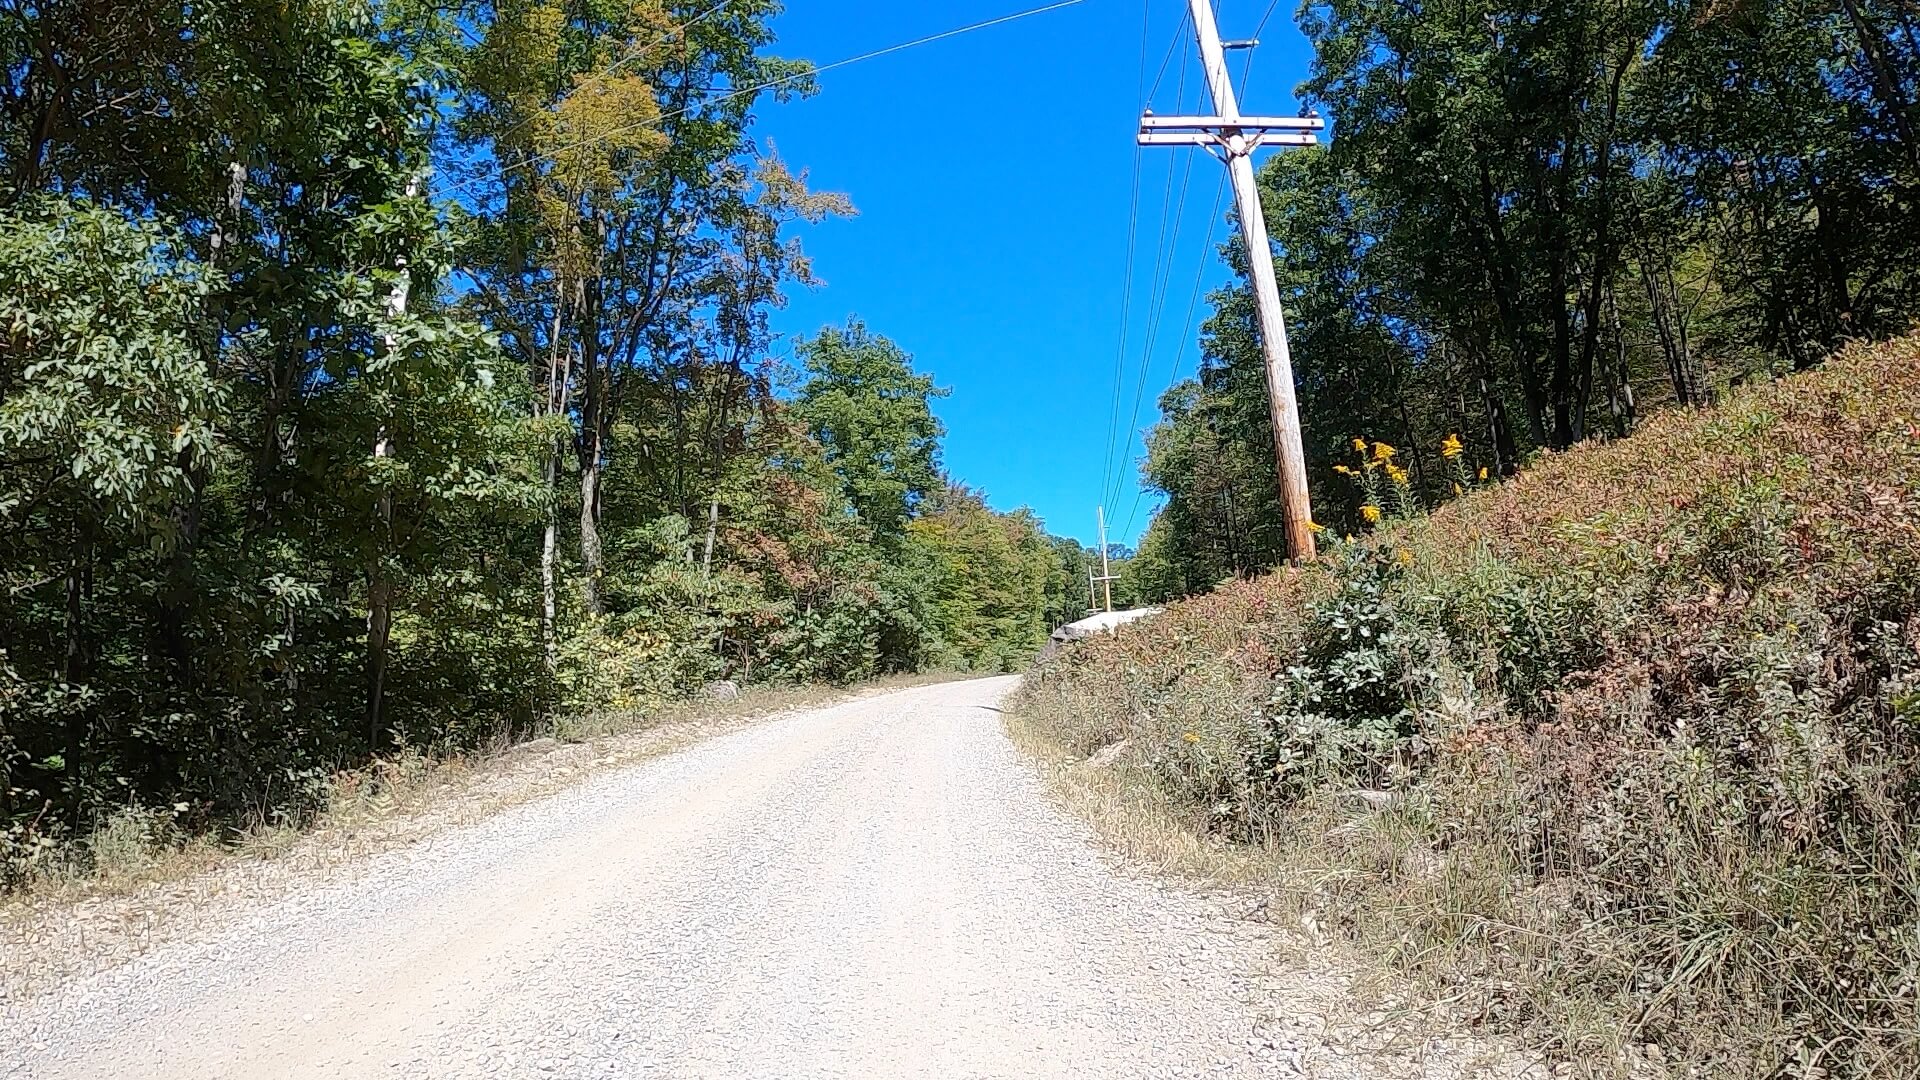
(1624, 752)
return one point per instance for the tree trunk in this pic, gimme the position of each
(1832, 237)
(713, 531)
(549, 550)
(1620, 387)
(554, 404)
(592, 558)
(380, 586)
(1561, 389)
(1507, 302)
(379, 635)
(177, 600)
(594, 406)
(1885, 79)
(74, 671)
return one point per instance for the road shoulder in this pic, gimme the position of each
(1328, 1014)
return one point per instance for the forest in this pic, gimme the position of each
(384, 375)
(1535, 225)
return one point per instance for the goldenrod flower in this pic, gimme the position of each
(1483, 472)
(1396, 474)
(1371, 513)
(1316, 526)
(1360, 445)
(1451, 448)
(1382, 452)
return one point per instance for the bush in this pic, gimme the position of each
(1645, 720)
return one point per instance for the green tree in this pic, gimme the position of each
(991, 574)
(1533, 225)
(873, 414)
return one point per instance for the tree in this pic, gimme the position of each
(323, 323)
(632, 236)
(1535, 224)
(991, 579)
(873, 415)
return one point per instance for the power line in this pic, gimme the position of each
(1193, 302)
(1246, 73)
(1126, 288)
(1156, 318)
(1157, 292)
(1172, 45)
(681, 29)
(1271, 8)
(772, 84)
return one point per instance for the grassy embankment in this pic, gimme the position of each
(1623, 753)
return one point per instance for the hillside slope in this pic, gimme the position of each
(1623, 752)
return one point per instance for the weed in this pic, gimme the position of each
(1619, 753)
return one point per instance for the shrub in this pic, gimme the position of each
(1645, 716)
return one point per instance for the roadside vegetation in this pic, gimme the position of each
(1598, 712)
(382, 380)
(1621, 752)
(400, 797)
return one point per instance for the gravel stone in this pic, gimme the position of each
(877, 889)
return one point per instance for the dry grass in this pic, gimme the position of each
(1624, 754)
(1134, 816)
(1318, 977)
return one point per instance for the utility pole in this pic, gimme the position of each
(1233, 137)
(1106, 577)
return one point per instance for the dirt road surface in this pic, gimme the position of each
(877, 889)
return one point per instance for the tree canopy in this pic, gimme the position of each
(377, 374)
(1533, 225)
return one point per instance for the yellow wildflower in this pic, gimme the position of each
(1360, 445)
(1382, 452)
(1403, 556)
(1483, 472)
(1316, 526)
(1343, 470)
(1396, 474)
(1371, 513)
(1457, 490)
(1451, 448)
(1190, 737)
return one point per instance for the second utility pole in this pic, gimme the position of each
(1106, 572)
(1237, 136)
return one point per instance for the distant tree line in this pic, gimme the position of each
(380, 373)
(1535, 224)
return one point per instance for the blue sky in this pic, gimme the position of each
(993, 173)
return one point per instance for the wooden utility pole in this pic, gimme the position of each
(1106, 572)
(1234, 138)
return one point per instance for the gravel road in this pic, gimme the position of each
(876, 889)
